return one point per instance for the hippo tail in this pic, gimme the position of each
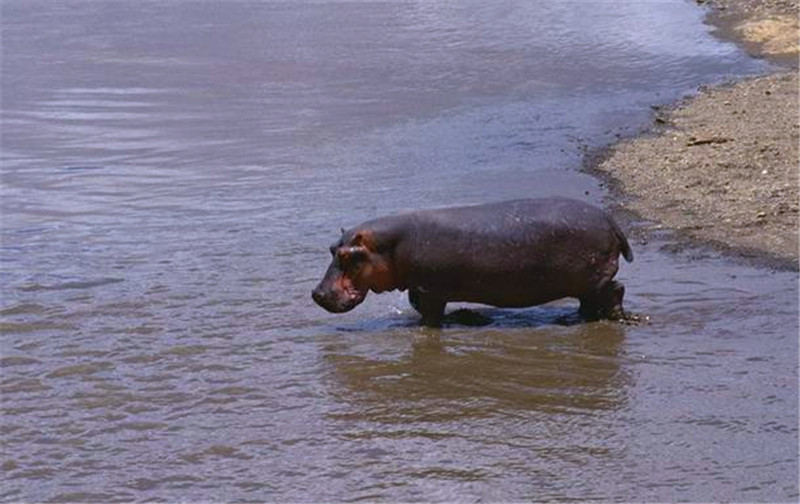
(624, 246)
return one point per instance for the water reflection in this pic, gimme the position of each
(449, 413)
(458, 374)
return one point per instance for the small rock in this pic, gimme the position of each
(704, 141)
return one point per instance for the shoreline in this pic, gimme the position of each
(720, 168)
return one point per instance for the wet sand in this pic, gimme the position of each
(722, 167)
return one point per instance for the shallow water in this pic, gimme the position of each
(172, 175)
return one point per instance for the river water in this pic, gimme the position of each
(173, 172)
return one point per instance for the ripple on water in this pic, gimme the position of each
(163, 226)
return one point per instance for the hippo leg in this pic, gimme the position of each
(413, 298)
(430, 307)
(604, 303)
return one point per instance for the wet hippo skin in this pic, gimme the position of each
(512, 254)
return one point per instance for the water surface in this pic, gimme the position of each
(172, 174)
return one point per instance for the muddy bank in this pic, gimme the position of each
(722, 167)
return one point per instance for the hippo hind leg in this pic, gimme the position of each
(430, 307)
(604, 303)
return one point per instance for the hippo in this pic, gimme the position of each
(510, 254)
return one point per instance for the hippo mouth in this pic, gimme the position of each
(338, 296)
(346, 300)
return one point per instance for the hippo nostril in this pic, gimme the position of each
(317, 296)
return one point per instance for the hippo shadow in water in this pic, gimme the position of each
(478, 316)
(533, 317)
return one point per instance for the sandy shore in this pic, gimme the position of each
(722, 167)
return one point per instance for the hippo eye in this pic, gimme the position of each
(350, 256)
(357, 255)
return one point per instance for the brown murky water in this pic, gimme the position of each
(172, 174)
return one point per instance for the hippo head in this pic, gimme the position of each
(359, 264)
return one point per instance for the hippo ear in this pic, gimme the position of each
(342, 231)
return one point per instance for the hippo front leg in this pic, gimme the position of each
(429, 306)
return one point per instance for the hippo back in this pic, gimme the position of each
(514, 253)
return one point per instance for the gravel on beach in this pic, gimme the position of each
(722, 166)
